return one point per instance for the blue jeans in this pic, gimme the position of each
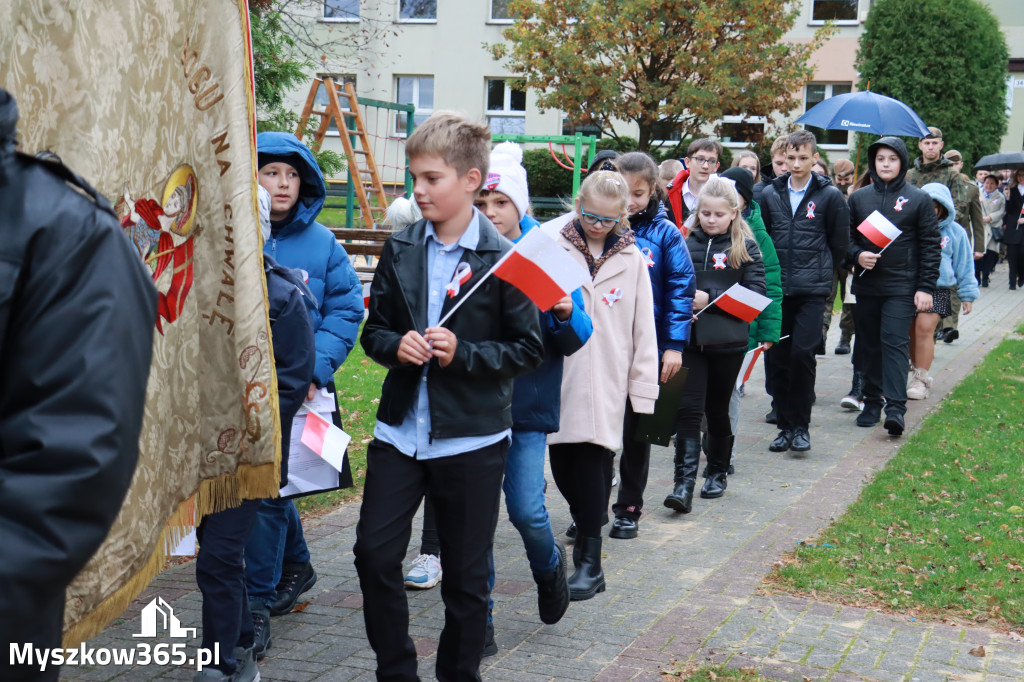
(276, 539)
(524, 500)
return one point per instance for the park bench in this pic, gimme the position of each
(363, 242)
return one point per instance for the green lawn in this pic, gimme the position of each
(940, 530)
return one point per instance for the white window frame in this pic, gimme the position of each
(811, 21)
(506, 111)
(490, 15)
(828, 94)
(343, 101)
(419, 111)
(400, 20)
(741, 118)
(340, 20)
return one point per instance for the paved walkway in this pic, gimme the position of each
(684, 591)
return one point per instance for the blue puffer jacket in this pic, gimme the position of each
(672, 280)
(302, 243)
(536, 397)
(956, 269)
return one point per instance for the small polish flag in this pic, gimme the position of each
(749, 360)
(541, 269)
(366, 295)
(325, 439)
(742, 302)
(879, 230)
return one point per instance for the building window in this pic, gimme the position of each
(568, 128)
(741, 130)
(506, 107)
(417, 91)
(501, 11)
(341, 10)
(839, 11)
(320, 102)
(819, 92)
(417, 10)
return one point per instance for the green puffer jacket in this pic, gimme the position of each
(768, 325)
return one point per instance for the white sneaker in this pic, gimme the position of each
(850, 402)
(919, 385)
(425, 572)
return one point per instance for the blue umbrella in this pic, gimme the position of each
(865, 112)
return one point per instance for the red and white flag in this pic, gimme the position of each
(366, 295)
(541, 269)
(325, 439)
(741, 302)
(749, 360)
(879, 230)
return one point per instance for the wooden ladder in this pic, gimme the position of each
(361, 166)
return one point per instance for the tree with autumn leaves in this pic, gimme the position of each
(666, 65)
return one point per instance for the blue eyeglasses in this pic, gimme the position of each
(591, 219)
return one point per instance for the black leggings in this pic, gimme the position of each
(709, 384)
(582, 472)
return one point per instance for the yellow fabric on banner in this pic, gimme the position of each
(152, 103)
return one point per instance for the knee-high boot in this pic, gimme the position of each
(719, 454)
(685, 475)
(588, 579)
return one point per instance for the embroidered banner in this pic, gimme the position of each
(152, 103)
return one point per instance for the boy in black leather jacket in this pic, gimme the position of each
(444, 421)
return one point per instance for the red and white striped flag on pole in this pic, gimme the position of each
(741, 302)
(879, 230)
(366, 295)
(325, 439)
(538, 267)
(749, 360)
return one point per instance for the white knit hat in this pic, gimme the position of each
(507, 175)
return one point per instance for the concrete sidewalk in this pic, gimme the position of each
(685, 590)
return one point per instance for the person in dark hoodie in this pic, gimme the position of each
(809, 222)
(673, 285)
(77, 310)
(892, 285)
(277, 562)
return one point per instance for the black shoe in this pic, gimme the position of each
(771, 417)
(588, 578)
(261, 630)
(870, 415)
(714, 486)
(984, 281)
(843, 347)
(731, 471)
(801, 440)
(490, 646)
(894, 424)
(684, 476)
(552, 592)
(951, 336)
(624, 528)
(570, 532)
(295, 580)
(940, 334)
(782, 441)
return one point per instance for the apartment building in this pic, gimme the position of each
(431, 54)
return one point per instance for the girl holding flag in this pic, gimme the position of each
(724, 254)
(893, 216)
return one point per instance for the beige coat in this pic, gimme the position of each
(621, 358)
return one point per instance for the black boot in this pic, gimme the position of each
(588, 579)
(719, 454)
(553, 590)
(685, 475)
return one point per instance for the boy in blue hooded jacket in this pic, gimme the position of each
(277, 561)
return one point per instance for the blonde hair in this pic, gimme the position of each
(779, 145)
(747, 154)
(607, 185)
(462, 144)
(739, 231)
(668, 170)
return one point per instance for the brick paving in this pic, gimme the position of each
(684, 591)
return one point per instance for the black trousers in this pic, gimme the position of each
(1015, 259)
(582, 473)
(883, 336)
(465, 490)
(710, 380)
(793, 364)
(634, 467)
(220, 576)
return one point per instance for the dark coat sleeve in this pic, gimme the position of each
(753, 276)
(388, 313)
(838, 227)
(929, 248)
(73, 373)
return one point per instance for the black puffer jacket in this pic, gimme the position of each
(812, 240)
(711, 252)
(1013, 232)
(911, 262)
